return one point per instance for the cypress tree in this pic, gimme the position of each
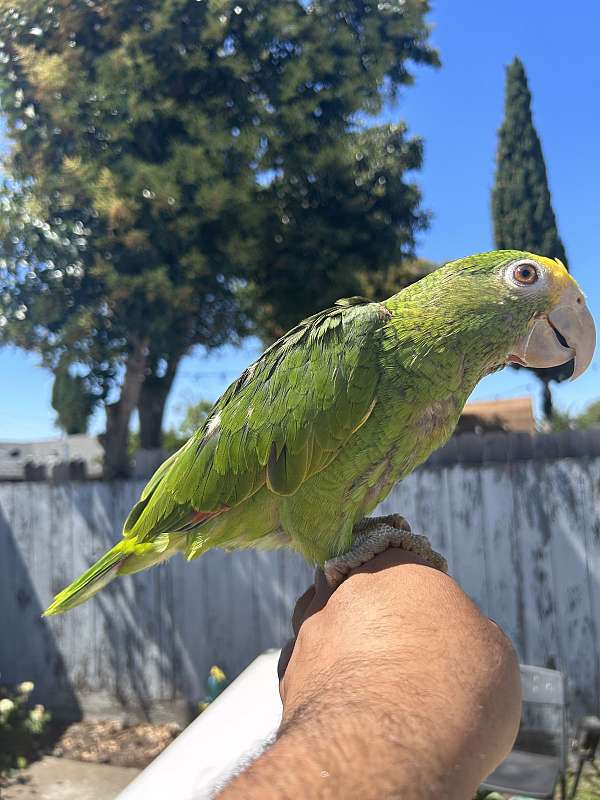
(521, 204)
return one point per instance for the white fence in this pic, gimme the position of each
(522, 538)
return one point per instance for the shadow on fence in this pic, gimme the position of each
(29, 646)
(518, 521)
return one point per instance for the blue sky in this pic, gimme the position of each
(457, 109)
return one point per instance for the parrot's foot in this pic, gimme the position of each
(372, 536)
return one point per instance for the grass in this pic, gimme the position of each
(589, 785)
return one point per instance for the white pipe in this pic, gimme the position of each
(229, 734)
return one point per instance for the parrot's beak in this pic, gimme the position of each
(564, 333)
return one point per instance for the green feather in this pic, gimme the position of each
(317, 431)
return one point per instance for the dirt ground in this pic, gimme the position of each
(89, 761)
(112, 742)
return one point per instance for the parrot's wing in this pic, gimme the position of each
(283, 420)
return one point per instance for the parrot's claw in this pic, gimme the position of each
(373, 535)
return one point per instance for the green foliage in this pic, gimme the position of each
(161, 156)
(72, 402)
(588, 418)
(194, 418)
(21, 727)
(174, 438)
(559, 421)
(521, 204)
(589, 785)
(107, 235)
(385, 283)
(340, 218)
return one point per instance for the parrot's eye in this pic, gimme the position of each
(525, 273)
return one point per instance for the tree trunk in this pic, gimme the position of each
(118, 415)
(151, 405)
(547, 404)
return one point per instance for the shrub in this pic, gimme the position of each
(21, 726)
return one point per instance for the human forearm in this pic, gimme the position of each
(321, 755)
(398, 687)
(363, 752)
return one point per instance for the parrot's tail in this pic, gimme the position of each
(125, 557)
(92, 580)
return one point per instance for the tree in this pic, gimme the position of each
(175, 437)
(521, 204)
(194, 417)
(72, 402)
(334, 218)
(588, 418)
(385, 283)
(158, 150)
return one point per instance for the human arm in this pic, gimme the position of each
(397, 686)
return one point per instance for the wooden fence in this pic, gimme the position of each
(522, 538)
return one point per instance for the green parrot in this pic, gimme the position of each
(316, 432)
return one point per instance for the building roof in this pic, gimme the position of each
(513, 414)
(14, 456)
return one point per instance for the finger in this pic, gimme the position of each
(284, 659)
(301, 607)
(323, 590)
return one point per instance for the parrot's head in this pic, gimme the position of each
(510, 306)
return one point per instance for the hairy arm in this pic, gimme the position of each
(397, 687)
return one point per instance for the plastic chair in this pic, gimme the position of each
(538, 761)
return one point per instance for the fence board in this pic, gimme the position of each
(465, 520)
(10, 565)
(522, 538)
(22, 588)
(103, 537)
(591, 505)
(81, 657)
(430, 491)
(562, 487)
(504, 580)
(534, 531)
